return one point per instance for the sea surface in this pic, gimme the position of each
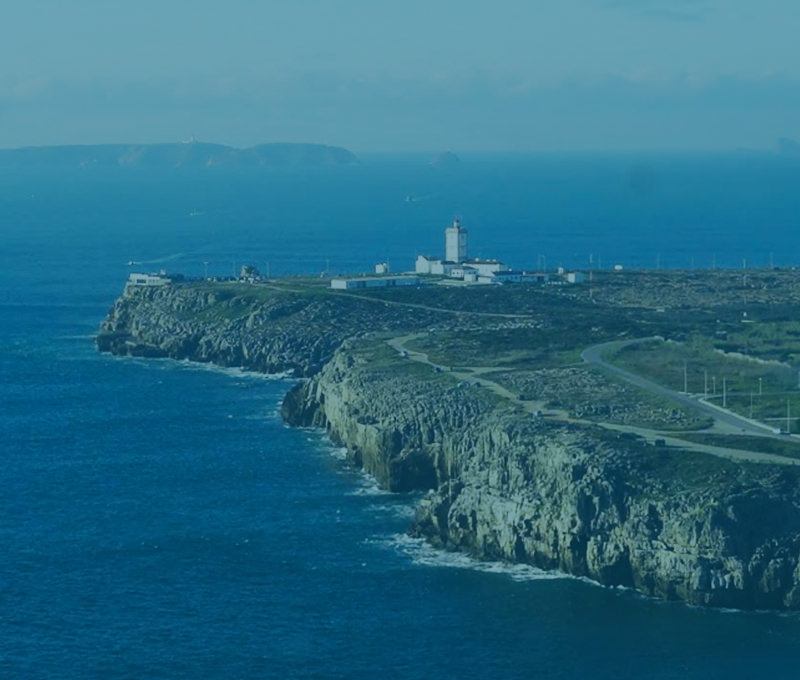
(158, 520)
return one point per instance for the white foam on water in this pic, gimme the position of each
(423, 554)
(167, 363)
(368, 486)
(232, 371)
(400, 510)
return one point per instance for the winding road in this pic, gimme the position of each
(726, 421)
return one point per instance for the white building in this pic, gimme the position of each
(433, 265)
(148, 280)
(456, 264)
(503, 276)
(374, 282)
(382, 268)
(486, 267)
(455, 243)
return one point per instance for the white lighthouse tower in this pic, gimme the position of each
(455, 243)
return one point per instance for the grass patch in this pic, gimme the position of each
(706, 368)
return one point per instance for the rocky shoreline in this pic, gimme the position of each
(501, 485)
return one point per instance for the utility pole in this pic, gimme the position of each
(205, 270)
(685, 378)
(751, 404)
(714, 384)
(759, 387)
(724, 393)
(788, 418)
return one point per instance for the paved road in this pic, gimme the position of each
(726, 420)
(478, 374)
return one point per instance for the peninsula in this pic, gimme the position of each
(634, 428)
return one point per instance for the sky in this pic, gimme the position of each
(416, 75)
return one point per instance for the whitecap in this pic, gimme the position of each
(398, 510)
(424, 554)
(232, 371)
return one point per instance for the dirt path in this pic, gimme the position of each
(477, 375)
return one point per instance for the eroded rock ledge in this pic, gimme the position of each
(502, 485)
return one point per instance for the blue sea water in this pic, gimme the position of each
(157, 519)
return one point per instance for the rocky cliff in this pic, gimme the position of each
(606, 506)
(256, 328)
(502, 484)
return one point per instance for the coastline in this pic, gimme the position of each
(555, 495)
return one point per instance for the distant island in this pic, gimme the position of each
(445, 160)
(190, 154)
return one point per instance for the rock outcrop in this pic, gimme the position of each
(240, 325)
(506, 486)
(502, 484)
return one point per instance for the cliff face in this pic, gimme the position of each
(237, 325)
(511, 487)
(502, 484)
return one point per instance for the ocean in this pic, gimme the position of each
(158, 520)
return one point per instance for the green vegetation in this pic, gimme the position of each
(769, 341)
(780, 410)
(520, 348)
(707, 369)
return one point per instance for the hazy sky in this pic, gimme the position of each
(411, 75)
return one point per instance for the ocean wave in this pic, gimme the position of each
(368, 486)
(231, 371)
(87, 336)
(166, 363)
(399, 510)
(424, 554)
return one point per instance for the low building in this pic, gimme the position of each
(535, 277)
(463, 271)
(505, 276)
(485, 267)
(575, 277)
(433, 265)
(149, 280)
(362, 282)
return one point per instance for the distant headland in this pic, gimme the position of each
(190, 154)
